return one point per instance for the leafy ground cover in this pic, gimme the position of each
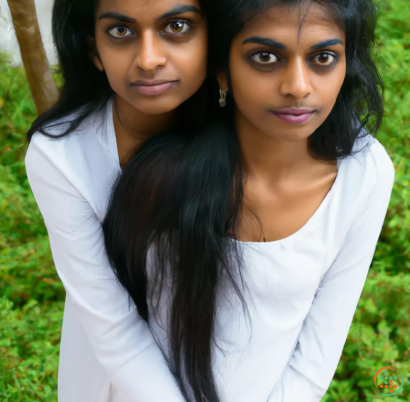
(32, 297)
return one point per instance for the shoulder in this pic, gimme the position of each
(70, 152)
(81, 166)
(361, 196)
(364, 183)
(55, 141)
(74, 173)
(370, 166)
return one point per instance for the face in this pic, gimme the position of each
(286, 77)
(154, 52)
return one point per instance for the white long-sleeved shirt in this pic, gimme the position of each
(301, 292)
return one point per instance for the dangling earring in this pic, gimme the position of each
(222, 99)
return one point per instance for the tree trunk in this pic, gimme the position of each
(42, 86)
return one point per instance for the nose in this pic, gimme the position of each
(152, 54)
(296, 80)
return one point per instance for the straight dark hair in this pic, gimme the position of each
(182, 193)
(86, 90)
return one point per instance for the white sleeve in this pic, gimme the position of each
(121, 340)
(323, 335)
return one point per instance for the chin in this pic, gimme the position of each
(156, 106)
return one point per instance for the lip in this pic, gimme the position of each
(294, 115)
(153, 88)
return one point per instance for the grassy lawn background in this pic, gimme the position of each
(32, 297)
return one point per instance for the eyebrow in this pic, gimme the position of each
(278, 45)
(117, 16)
(172, 13)
(180, 9)
(327, 43)
(265, 41)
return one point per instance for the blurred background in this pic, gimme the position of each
(31, 294)
(8, 40)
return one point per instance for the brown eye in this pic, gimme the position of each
(120, 32)
(325, 59)
(264, 58)
(177, 27)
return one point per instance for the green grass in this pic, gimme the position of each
(32, 297)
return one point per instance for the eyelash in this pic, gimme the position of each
(280, 59)
(117, 26)
(185, 21)
(334, 55)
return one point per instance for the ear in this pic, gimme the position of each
(223, 81)
(93, 53)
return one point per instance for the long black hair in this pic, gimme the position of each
(181, 195)
(86, 90)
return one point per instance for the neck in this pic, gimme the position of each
(269, 159)
(133, 128)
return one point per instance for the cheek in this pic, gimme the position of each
(116, 62)
(246, 86)
(116, 73)
(190, 60)
(340, 75)
(330, 89)
(251, 95)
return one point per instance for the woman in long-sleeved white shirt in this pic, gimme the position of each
(246, 247)
(129, 68)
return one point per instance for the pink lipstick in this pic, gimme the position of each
(153, 88)
(293, 115)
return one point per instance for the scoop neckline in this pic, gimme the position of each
(311, 220)
(316, 214)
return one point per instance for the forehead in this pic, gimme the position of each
(143, 9)
(295, 24)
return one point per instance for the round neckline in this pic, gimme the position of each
(114, 151)
(313, 218)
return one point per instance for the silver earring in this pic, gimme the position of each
(222, 99)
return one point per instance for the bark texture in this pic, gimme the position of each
(42, 85)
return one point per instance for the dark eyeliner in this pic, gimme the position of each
(118, 26)
(184, 20)
(336, 59)
(254, 53)
(191, 26)
(261, 65)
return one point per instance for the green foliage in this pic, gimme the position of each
(393, 54)
(31, 295)
(31, 334)
(380, 334)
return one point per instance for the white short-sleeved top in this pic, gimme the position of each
(301, 291)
